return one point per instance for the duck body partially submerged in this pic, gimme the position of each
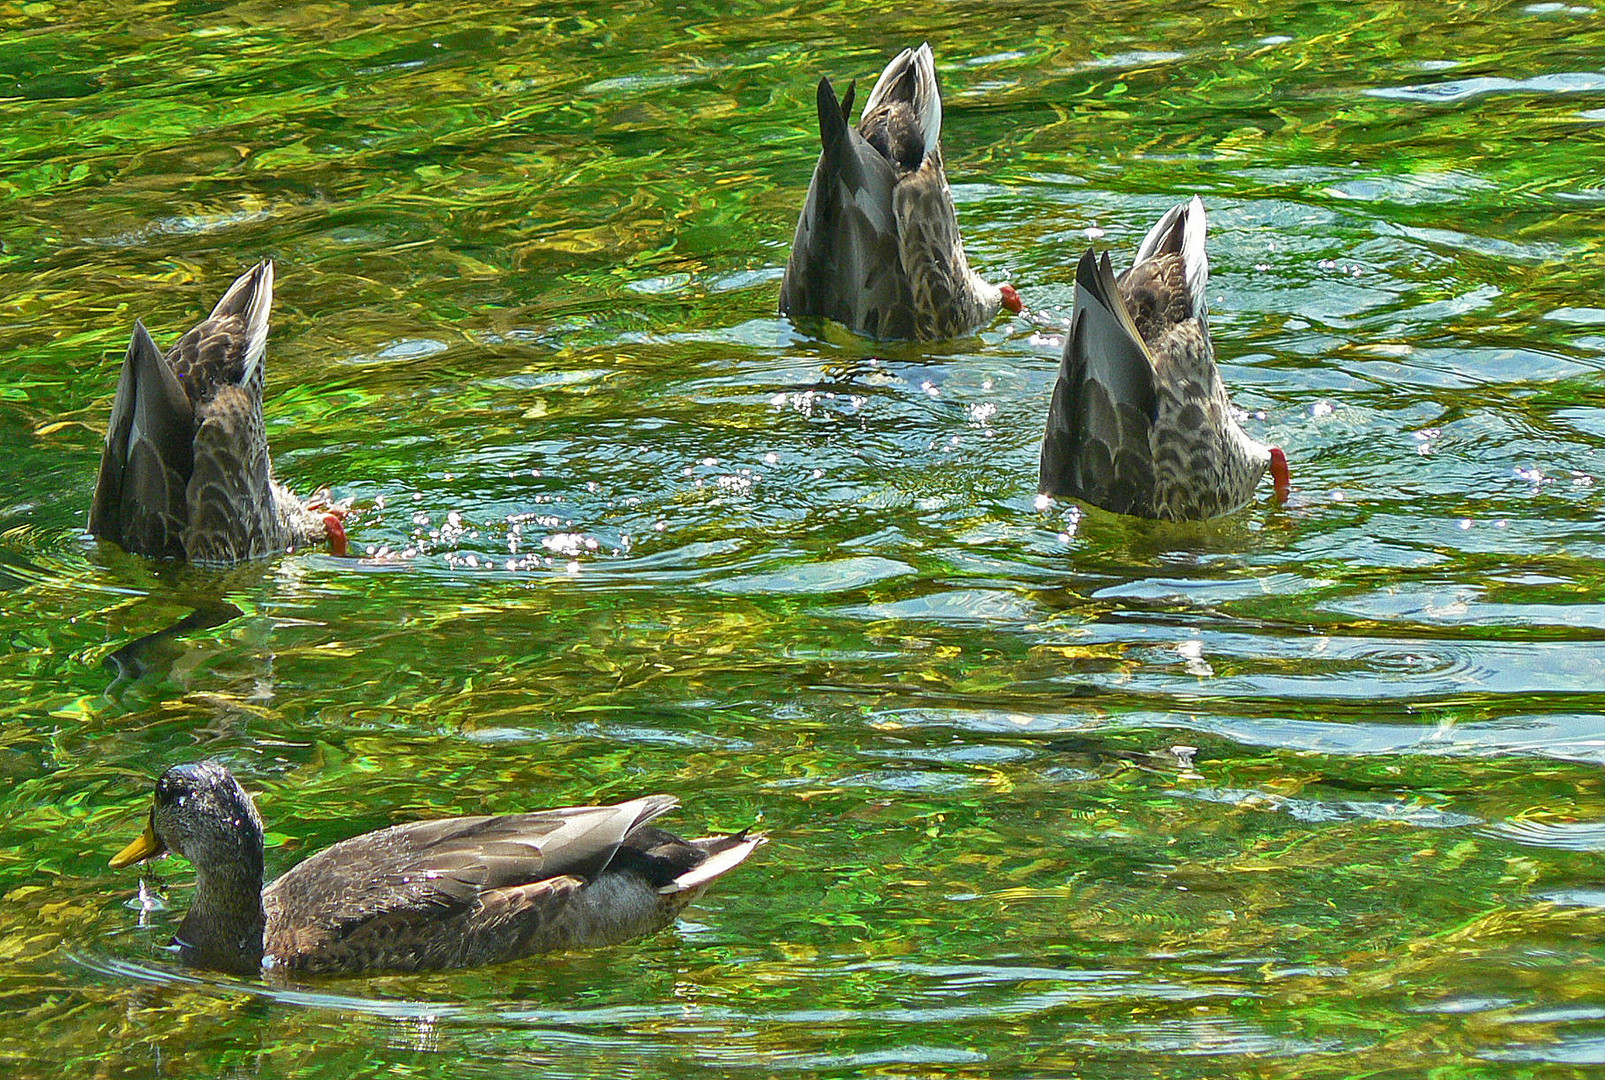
(877, 246)
(1140, 422)
(185, 472)
(426, 895)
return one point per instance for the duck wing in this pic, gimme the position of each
(844, 261)
(404, 887)
(140, 500)
(1097, 445)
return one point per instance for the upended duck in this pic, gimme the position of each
(1140, 422)
(427, 895)
(877, 247)
(185, 471)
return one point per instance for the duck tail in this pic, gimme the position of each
(911, 77)
(724, 853)
(250, 298)
(1182, 232)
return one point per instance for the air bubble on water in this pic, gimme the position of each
(147, 901)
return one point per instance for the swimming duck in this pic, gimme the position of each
(426, 895)
(1140, 422)
(185, 471)
(877, 246)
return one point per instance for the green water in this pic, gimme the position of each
(631, 533)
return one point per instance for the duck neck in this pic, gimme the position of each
(223, 927)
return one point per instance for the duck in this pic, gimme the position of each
(426, 895)
(185, 473)
(877, 247)
(1140, 422)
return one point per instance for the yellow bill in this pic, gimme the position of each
(147, 846)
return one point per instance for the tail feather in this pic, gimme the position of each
(725, 853)
(911, 77)
(251, 299)
(1182, 231)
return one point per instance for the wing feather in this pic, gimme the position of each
(844, 254)
(1097, 446)
(145, 465)
(427, 871)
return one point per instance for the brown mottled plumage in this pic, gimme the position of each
(426, 895)
(1140, 422)
(185, 471)
(877, 246)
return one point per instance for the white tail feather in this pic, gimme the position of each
(1189, 218)
(715, 865)
(1194, 261)
(256, 313)
(927, 96)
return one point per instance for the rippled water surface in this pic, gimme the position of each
(1312, 791)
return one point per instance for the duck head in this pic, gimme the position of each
(201, 813)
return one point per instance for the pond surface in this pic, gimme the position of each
(1311, 791)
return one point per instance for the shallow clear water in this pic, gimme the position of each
(1308, 792)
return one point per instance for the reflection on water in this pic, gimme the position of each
(1311, 791)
